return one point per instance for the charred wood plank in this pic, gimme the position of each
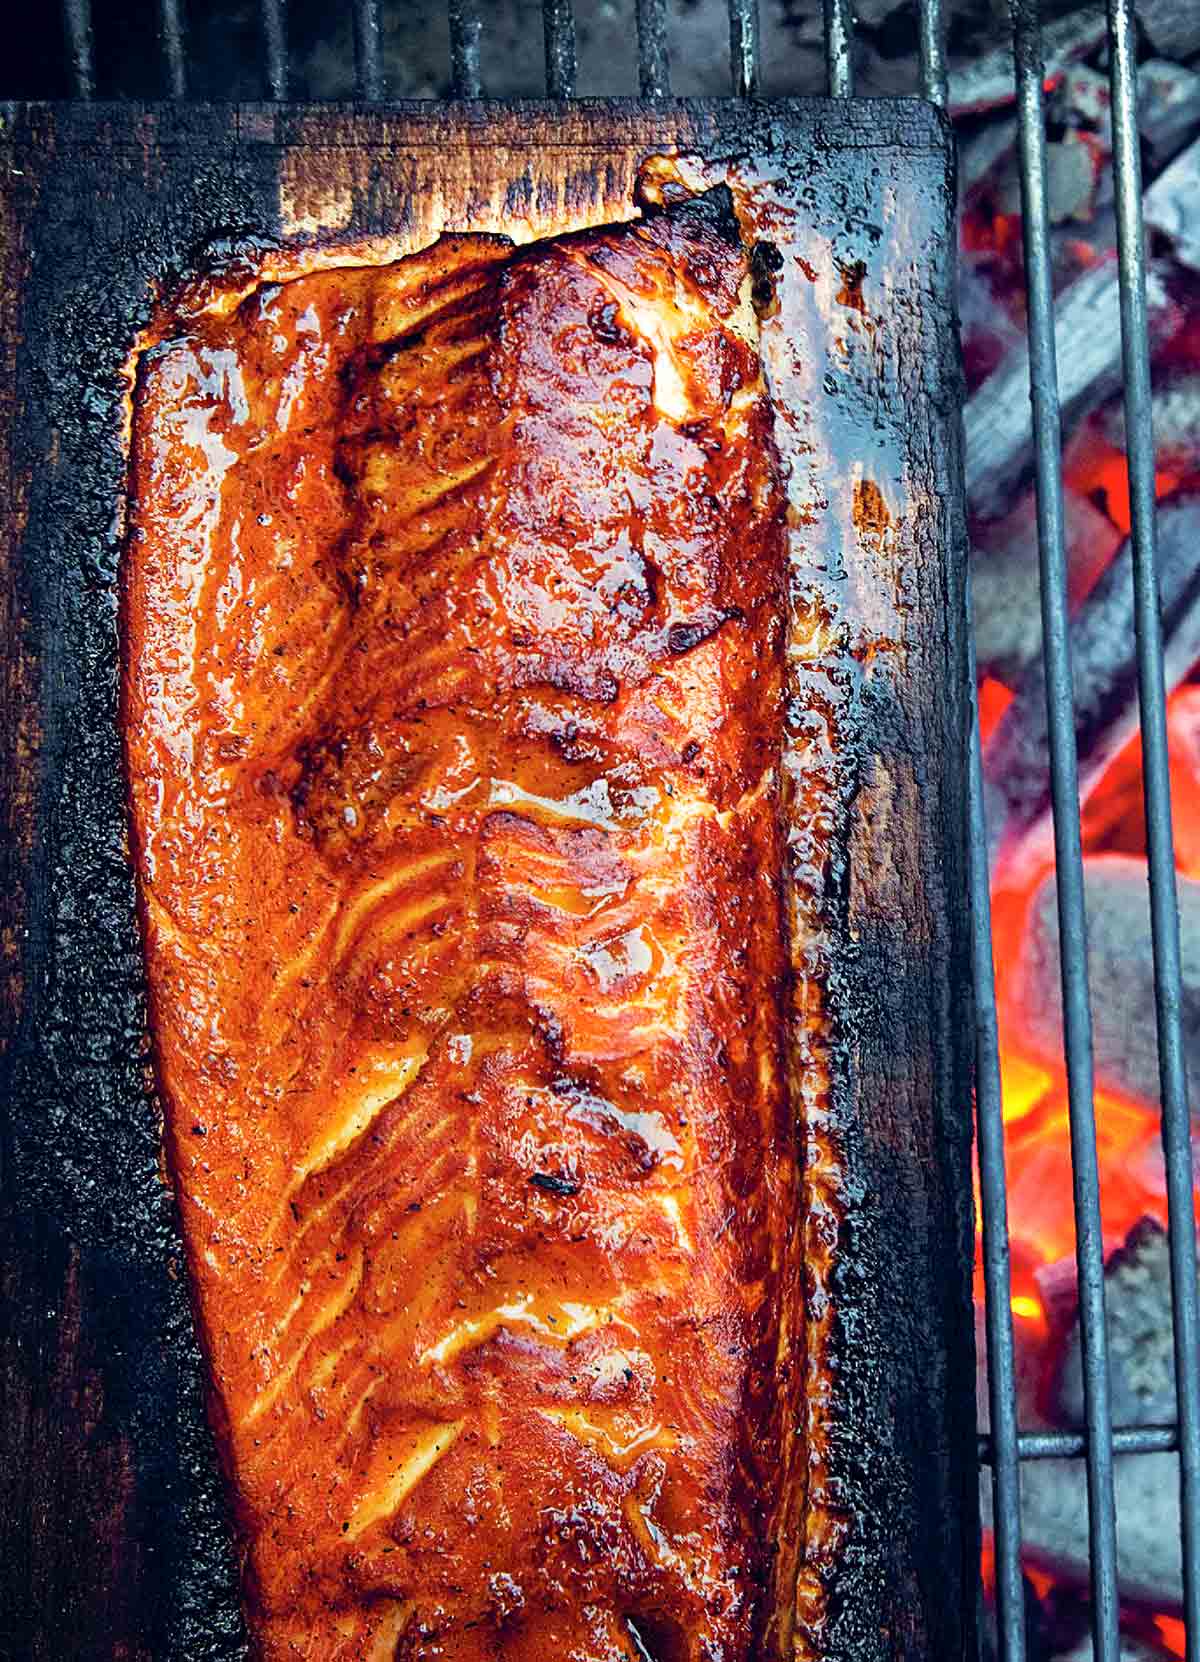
(137, 193)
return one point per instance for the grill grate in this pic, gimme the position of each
(1006, 1446)
(466, 40)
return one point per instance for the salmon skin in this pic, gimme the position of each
(453, 619)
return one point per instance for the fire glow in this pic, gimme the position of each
(1033, 1076)
(1037, 1137)
(1035, 1094)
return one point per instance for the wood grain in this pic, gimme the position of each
(115, 1541)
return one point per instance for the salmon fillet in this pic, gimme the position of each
(453, 613)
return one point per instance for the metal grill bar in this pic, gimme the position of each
(1072, 1445)
(368, 53)
(1160, 843)
(1077, 1019)
(558, 21)
(465, 28)
(839, 41)
(1002, 1388)
(77, 27)
(170, 28)
(274, 28)
(743, 47)
(932, 45)
(654, 67)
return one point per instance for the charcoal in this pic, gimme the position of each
(1058, 1288)
(1037, 1646)
(987, 82)
(1121, 974)
(1054, 1492)
(984, 150)
(1132, 1650)
(1070, 180)
(1171, 26)
(1016, 762)
(1171, 206)
(1085, 99)
(1006, 585)
(1054, 1524)
(1087, 331)
(1137, 1291)
(989, 334)
(869, 14)
(1168, 107)
(1183, 734)
(1176, 417)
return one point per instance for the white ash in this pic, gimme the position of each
(1132, 1650)
(1137, 1291)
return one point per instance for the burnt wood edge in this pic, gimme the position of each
(908, 124)
(904, 1459)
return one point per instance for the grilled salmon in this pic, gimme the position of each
(453, 617)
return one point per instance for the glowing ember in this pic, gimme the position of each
(1100, 472)
(994, 699)
(1171, 1635)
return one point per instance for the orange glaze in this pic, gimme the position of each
(453, 610)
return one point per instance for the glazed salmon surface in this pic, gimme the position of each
(453, 622)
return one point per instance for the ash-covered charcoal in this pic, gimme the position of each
(1006, 583)
(1176, 417)
(1016, 762)
(1171, 26)
(1121, 976)
(1168, 107)
(1054, 1517)
(1087, 333)
(1183, 737)
(1084, 99)
(1172, 204)
(1058, 1287)
(1137, 1294)
(1054, 1524)
(989, 334)
(1132, 1650)
(869, 14)
(1072, 174)
(988, 83)
(984, 150)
